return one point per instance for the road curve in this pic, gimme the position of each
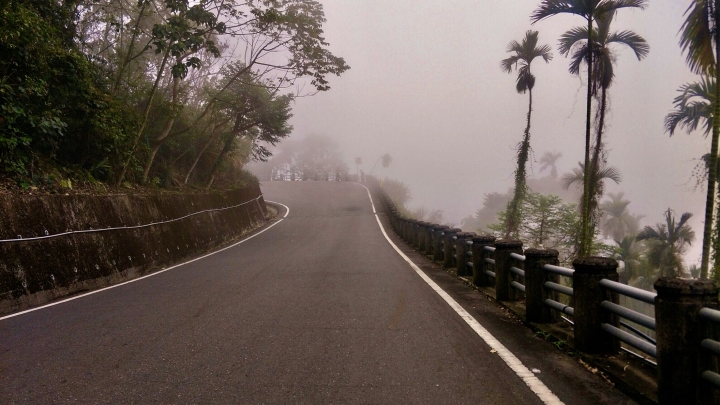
(318, 309)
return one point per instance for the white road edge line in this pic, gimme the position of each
(287, 211)
(535, 385)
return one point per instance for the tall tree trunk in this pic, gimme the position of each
(585, 237)
(207, 144)
(594, 188)
(126, 58)
(146, 114)
(712, 174)
(513, 217)
(157, 142)
(218, 161)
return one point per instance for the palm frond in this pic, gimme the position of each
(570, 38)
(525, 80)
(549, 8)
(507, 64)
(579, 56)
(693, 107)
(611, 173)
(605, 7)
(649, 233)
(697, 39)
(632, 40)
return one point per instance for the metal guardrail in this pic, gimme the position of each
(628, 291)
(56, 235)
(710, 345)
(563, 271)
(558, 288)
(636, 339)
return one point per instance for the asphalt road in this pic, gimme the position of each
(318, 309)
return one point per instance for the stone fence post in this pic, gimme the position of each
(679, 332)
(461, 249)
(535, 292)
(478, 259)
(448, 259)
(438, 236)
(587, 295)
(503, 248)
(429, 231)
(421, 226)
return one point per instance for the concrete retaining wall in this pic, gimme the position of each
(33, 272)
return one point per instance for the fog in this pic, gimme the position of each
(425, 86)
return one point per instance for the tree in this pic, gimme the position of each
(548, 223)
(386, 160)
(693, 107)
(590, 10)
(604, 58)
(548, 161)
(700, 39)
(602, 173)
(523, 55)
(632, 253)
(668, 242)
(617, 221)
(399, 193)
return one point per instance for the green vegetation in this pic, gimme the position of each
(523, 54)
(593, 11)
(163, 92)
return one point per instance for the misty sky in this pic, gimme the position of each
(425, 86)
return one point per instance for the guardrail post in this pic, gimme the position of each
(429, 231)
(503, 248)
(448, 259)
(478, 259)
(535, 292)
(419, 225)
(679, 333)
(461, 249)
(416, 233)
(588, 294)
(420, 230)
(406, 229)
(411, 232)
(438, 235)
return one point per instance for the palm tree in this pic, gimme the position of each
(631, 253)
(591, 11)
(604, 73)
(523, 55)
(693, 107)
(701, 40)
(548, 161)
(577, 177)
(669, 242)
(617, 221)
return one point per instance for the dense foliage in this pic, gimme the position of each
(164, 92)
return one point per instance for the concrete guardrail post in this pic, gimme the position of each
(461, 250)
(679, 332)
(411, 232)
(429, 231)
(503, 248)
(417, 235)
(438, 237)
(587, 295)
(535, 292)
(449, 245)
(421, 235)
(478, 259)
